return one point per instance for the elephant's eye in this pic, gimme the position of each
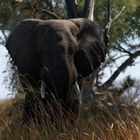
(71, 50)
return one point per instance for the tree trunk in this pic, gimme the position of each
(88, 11)
(71, 8)
(122, 67)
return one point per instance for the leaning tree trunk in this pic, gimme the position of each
(122, 67)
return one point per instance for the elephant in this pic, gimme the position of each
(54, 55)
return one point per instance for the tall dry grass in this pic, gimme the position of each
(98, 122)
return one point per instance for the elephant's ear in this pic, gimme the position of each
(89, 56)
(20, 45)
(91, 48)
(82, 63)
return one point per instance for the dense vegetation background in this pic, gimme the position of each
(124, 34)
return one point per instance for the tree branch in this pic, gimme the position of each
(118, 15)
(121, 49)
(71, 8)
(88, 11)
(4, 35)
(109, 11)
(50, 13)
(121, 68)
(110, 20)
(121, 56)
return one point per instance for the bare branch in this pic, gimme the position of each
(4, 34)
(107, 27)
(109, 11)
(121, 68)
(71, 8)
(5, 37)
(121, 56)
(110, 20)
(50, 13)
(118, 15)
(88, 11)
(120, 48)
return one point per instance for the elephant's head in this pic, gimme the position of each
(56, 52)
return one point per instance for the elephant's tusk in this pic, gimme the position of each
(42, 89)
(77, 89)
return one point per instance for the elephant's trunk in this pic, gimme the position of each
(61, 80)
(56, 80)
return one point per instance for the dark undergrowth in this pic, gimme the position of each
(98, 122)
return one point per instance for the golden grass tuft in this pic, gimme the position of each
(99, 122)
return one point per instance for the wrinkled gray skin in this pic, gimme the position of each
(53, 54)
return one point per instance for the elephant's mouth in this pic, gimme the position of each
(75, 87)
(51, 89)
